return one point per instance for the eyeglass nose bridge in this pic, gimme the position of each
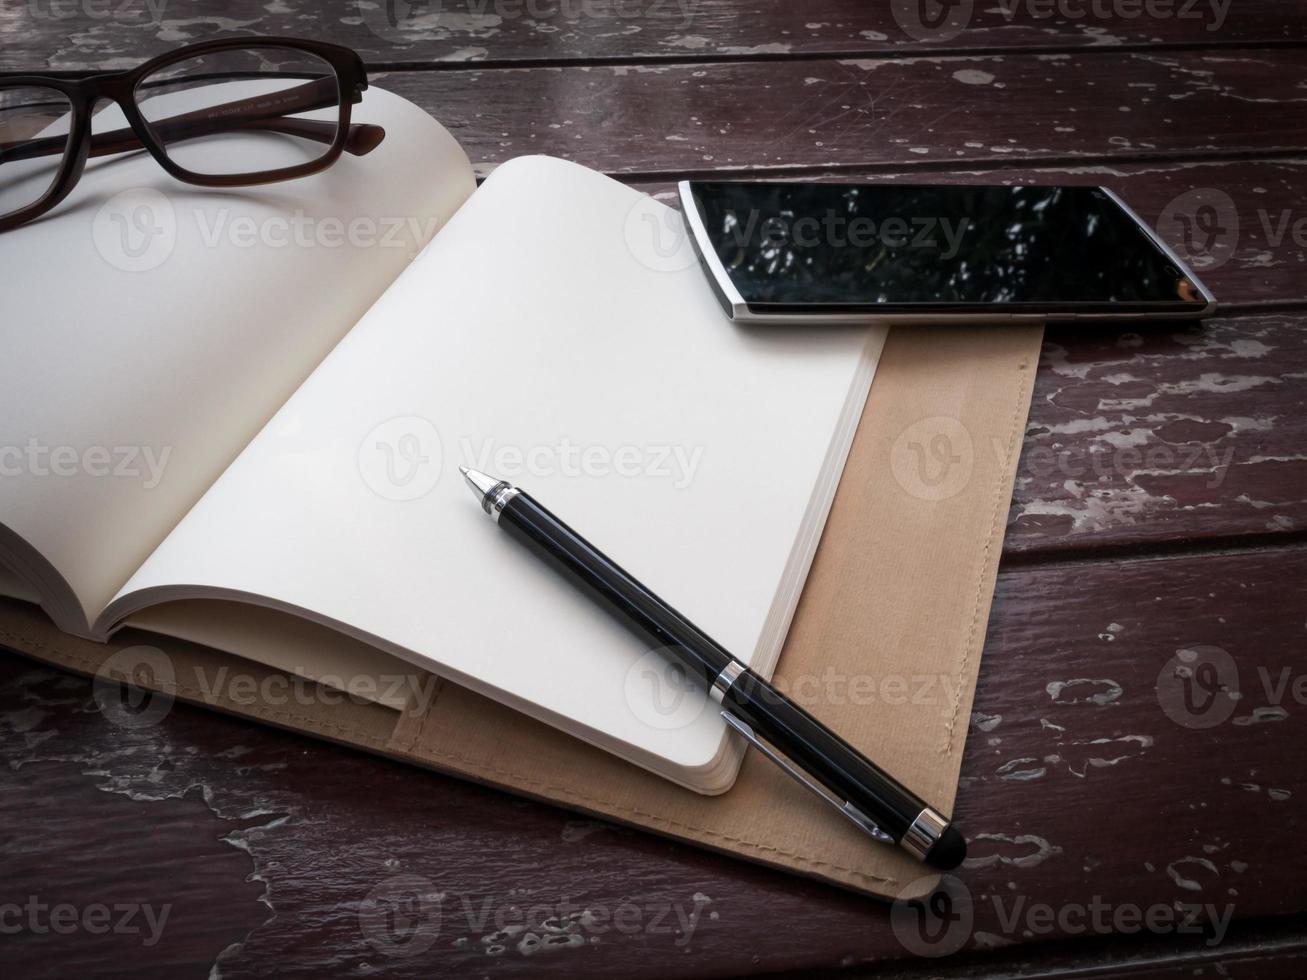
(118, 88)
(89, 96)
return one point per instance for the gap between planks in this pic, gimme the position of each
(903, 53)
(1219, 546)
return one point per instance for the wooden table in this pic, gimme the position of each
(1159, 514)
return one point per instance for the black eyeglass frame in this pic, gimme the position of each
(84, 94)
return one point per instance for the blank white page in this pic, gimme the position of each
(531, 327)
(151, 328)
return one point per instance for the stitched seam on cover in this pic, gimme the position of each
(271, 714)
(426, 717)
(951, 728)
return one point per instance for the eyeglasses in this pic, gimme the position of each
(229, 113)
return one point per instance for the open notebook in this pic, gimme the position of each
(262, 398)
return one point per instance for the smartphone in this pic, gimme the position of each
(904, 253)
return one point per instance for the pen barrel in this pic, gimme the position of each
(823, 755)
(525, 519)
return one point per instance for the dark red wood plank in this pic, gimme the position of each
(949, 113)
(1091, 795)
(63, 34)
(85, 893)
(1268, 951)
(1147, 437)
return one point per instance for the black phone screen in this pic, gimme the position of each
(798, 246)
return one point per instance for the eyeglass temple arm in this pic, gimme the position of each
(265, 112)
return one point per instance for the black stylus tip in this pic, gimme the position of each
(949, 851)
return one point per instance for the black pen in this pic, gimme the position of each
(809, 751)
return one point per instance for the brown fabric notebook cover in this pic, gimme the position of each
(885, 646)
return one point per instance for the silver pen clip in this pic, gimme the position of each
(847, 809)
